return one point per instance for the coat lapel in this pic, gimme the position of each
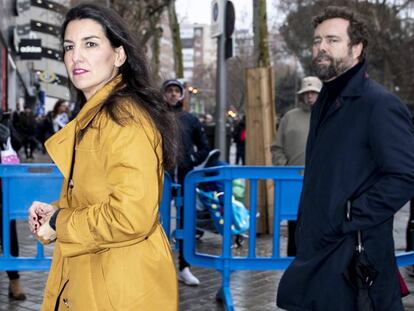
(353, 89)
(60, 146)
(332, 110)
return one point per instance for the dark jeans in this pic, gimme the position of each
(14, 245)
(29, 145)
(240, 154)
(291, 247)
(182, 263)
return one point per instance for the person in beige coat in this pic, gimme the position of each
(111, 252)
(290, 144)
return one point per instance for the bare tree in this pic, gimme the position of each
(144, 19)
(261, 45)
(391, 43)
(176, 39)
(204, 79)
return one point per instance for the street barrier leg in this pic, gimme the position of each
(224, 293)
(224, 296)
(39, 251)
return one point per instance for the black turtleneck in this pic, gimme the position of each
(333, 88)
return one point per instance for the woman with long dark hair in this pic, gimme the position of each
(111, 252)
(60, 115)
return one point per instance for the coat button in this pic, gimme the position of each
(66, 302)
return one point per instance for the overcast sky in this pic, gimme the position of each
(199, 11)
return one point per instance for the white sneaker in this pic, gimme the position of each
(187, 277)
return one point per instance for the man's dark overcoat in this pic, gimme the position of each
(362, 151)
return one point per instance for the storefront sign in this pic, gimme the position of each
(30, 48)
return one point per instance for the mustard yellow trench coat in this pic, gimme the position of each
(111, 253)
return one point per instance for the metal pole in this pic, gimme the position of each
(221, 87)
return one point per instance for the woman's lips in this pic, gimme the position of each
(77, 72)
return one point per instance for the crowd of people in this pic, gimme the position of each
(30, 131)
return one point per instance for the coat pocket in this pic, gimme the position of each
(127, 275)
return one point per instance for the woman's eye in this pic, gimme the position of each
(90, 44)
(67, 48)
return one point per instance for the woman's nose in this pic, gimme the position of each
(77, 54)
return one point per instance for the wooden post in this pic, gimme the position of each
(260, 112)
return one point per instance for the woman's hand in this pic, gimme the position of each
(39, 214)
(45, 232)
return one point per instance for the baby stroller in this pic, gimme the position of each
(210, 205)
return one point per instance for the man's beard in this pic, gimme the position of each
(336, 67)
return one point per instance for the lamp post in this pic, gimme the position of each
(222, 28)
(192, 91)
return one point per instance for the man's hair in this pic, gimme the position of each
(357, 29)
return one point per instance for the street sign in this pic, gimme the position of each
(217, 17)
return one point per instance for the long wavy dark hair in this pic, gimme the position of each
(56, 107)
(136, 83)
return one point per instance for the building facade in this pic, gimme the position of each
(10, 84)
(32, 72)
(40, 58)
(199, 49)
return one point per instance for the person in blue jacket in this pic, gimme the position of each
(194, 150)
(359, 173)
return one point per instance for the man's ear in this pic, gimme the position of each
(357, 50)
(120, 57)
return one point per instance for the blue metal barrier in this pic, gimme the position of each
(21, 185)
(287, 189)
(171, 193)
(24, 183)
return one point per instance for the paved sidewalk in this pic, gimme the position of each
(253, 291)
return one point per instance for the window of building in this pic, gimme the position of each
(3, 76)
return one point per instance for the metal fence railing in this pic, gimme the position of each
(24, 183)
(287, 185)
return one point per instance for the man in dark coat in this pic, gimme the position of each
(194, 150)
(360, 149)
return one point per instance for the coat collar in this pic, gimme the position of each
(60, 146)
(356, 85)
(354, 88)
(94, 104)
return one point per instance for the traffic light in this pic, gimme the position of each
(222, 23)
(229, 29)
